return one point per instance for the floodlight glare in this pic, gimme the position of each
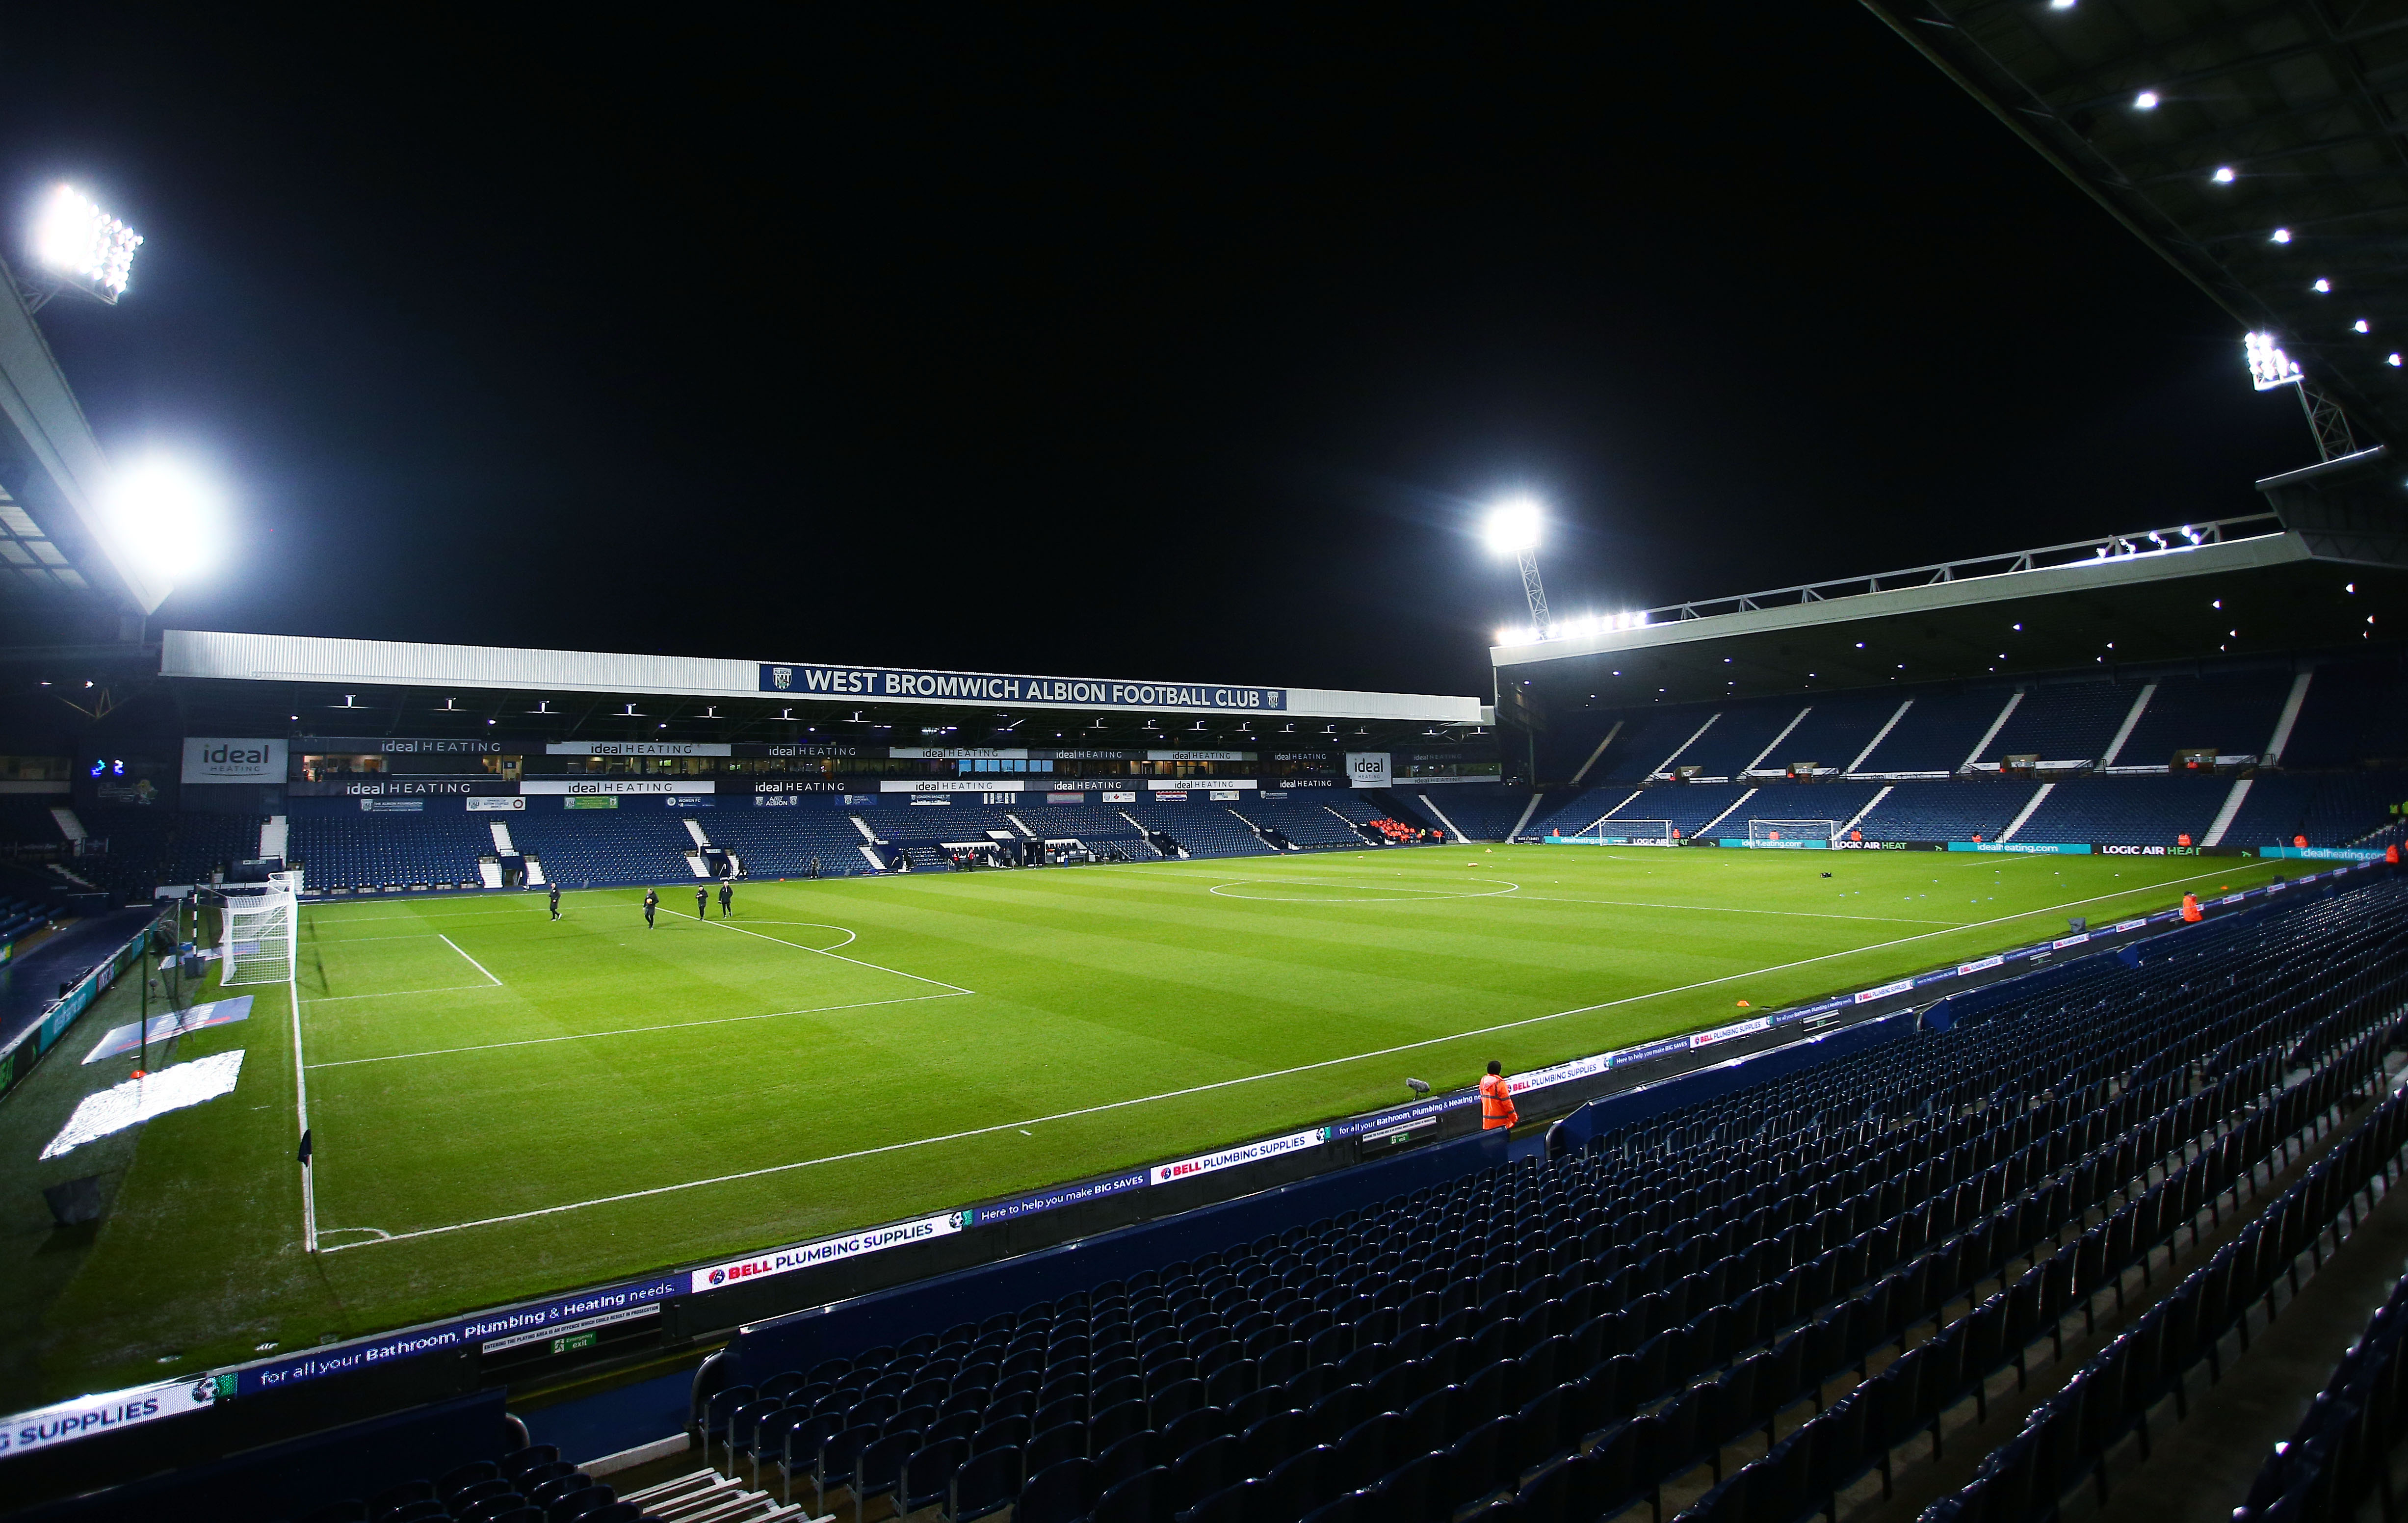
(164, 514)
(2323, 287)
(92, 249)
(2281, 235)
(2145, 101)
(2223, 175)
(1514, 525)
(2361, 326)
(2268, 367)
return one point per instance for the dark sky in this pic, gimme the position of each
(1178, 344)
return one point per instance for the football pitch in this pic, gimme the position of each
(503, 1104)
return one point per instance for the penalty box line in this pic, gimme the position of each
(1242, 1079)
(633, 1030)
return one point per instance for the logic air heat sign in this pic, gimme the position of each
(210, 758)
(900, 685)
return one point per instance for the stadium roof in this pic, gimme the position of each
(2234, 588)
(283, 675)
(56, 551)
(2257, 145)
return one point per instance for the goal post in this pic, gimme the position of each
(1792, 833)
(1630, 832)
(260, 940)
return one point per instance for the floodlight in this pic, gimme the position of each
(2268, 367)
(92, 249)
(2323, 287)
(2281, 235)
(2223, 175)
(163, 513)
(2361, 327)
(2392, 360)
(2145, 101)
(1514, 525)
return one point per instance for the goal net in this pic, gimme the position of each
(1659, 832)
(1792, 833)
(260, 940)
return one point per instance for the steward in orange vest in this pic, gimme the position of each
(2190, 912)
(1496, 1099)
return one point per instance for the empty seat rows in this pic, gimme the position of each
(1483, 1334)
(534, 1485)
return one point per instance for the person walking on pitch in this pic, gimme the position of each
(652, 902)
(555, 901)
(701, 902)
(727, 897)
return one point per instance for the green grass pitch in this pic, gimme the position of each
(504, 1105)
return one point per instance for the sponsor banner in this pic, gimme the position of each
(392, 806)
(1725, 1033)
(400, 787)
(794, 748)
(210, 758)
(1366, 769)
(1176, 795)
(994, 687)
(1389, 1120)
(939, 799)
(1646, 1052)
(586, 1325)
(1777, 845)
(1190, 783)
(585, 801)
(776, 801)
(690, 801)
(2061, 848)
(88, 1415)
(959, 752)
(780, 784)
(460, 1332)
(587, 788)
(508, 804)
(1983, 965)
(1866, 996)
(1269, 1147)
(638, 748)
(859, 800)
(1200, 755)
(826, 1250)
(2326, 853)
(401, 746)
(1225, 795)
(1066, 799)
(1309, 782)
(1118, 798)
(2064, 941)
(2132, 924)
(949, 785)
(1053, 1200)
(1579, 1067)
(1274, 792)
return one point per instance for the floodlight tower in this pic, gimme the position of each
(1513, 529)
(2269, 368)
(81, 248)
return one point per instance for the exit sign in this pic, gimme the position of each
(563, 1345)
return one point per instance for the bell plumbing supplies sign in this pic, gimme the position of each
(217, 759)
(785, 1260)
(89, 1415)
(1165, 1173)
(1367, 768)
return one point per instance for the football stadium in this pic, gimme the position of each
(1927, 1043)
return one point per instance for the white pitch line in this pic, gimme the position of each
(840, 958)
(472, 962)
(629, 1031)
(1244, 1079)
(1735, 910)
(395, 994)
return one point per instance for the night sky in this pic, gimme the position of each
(1180, 344)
